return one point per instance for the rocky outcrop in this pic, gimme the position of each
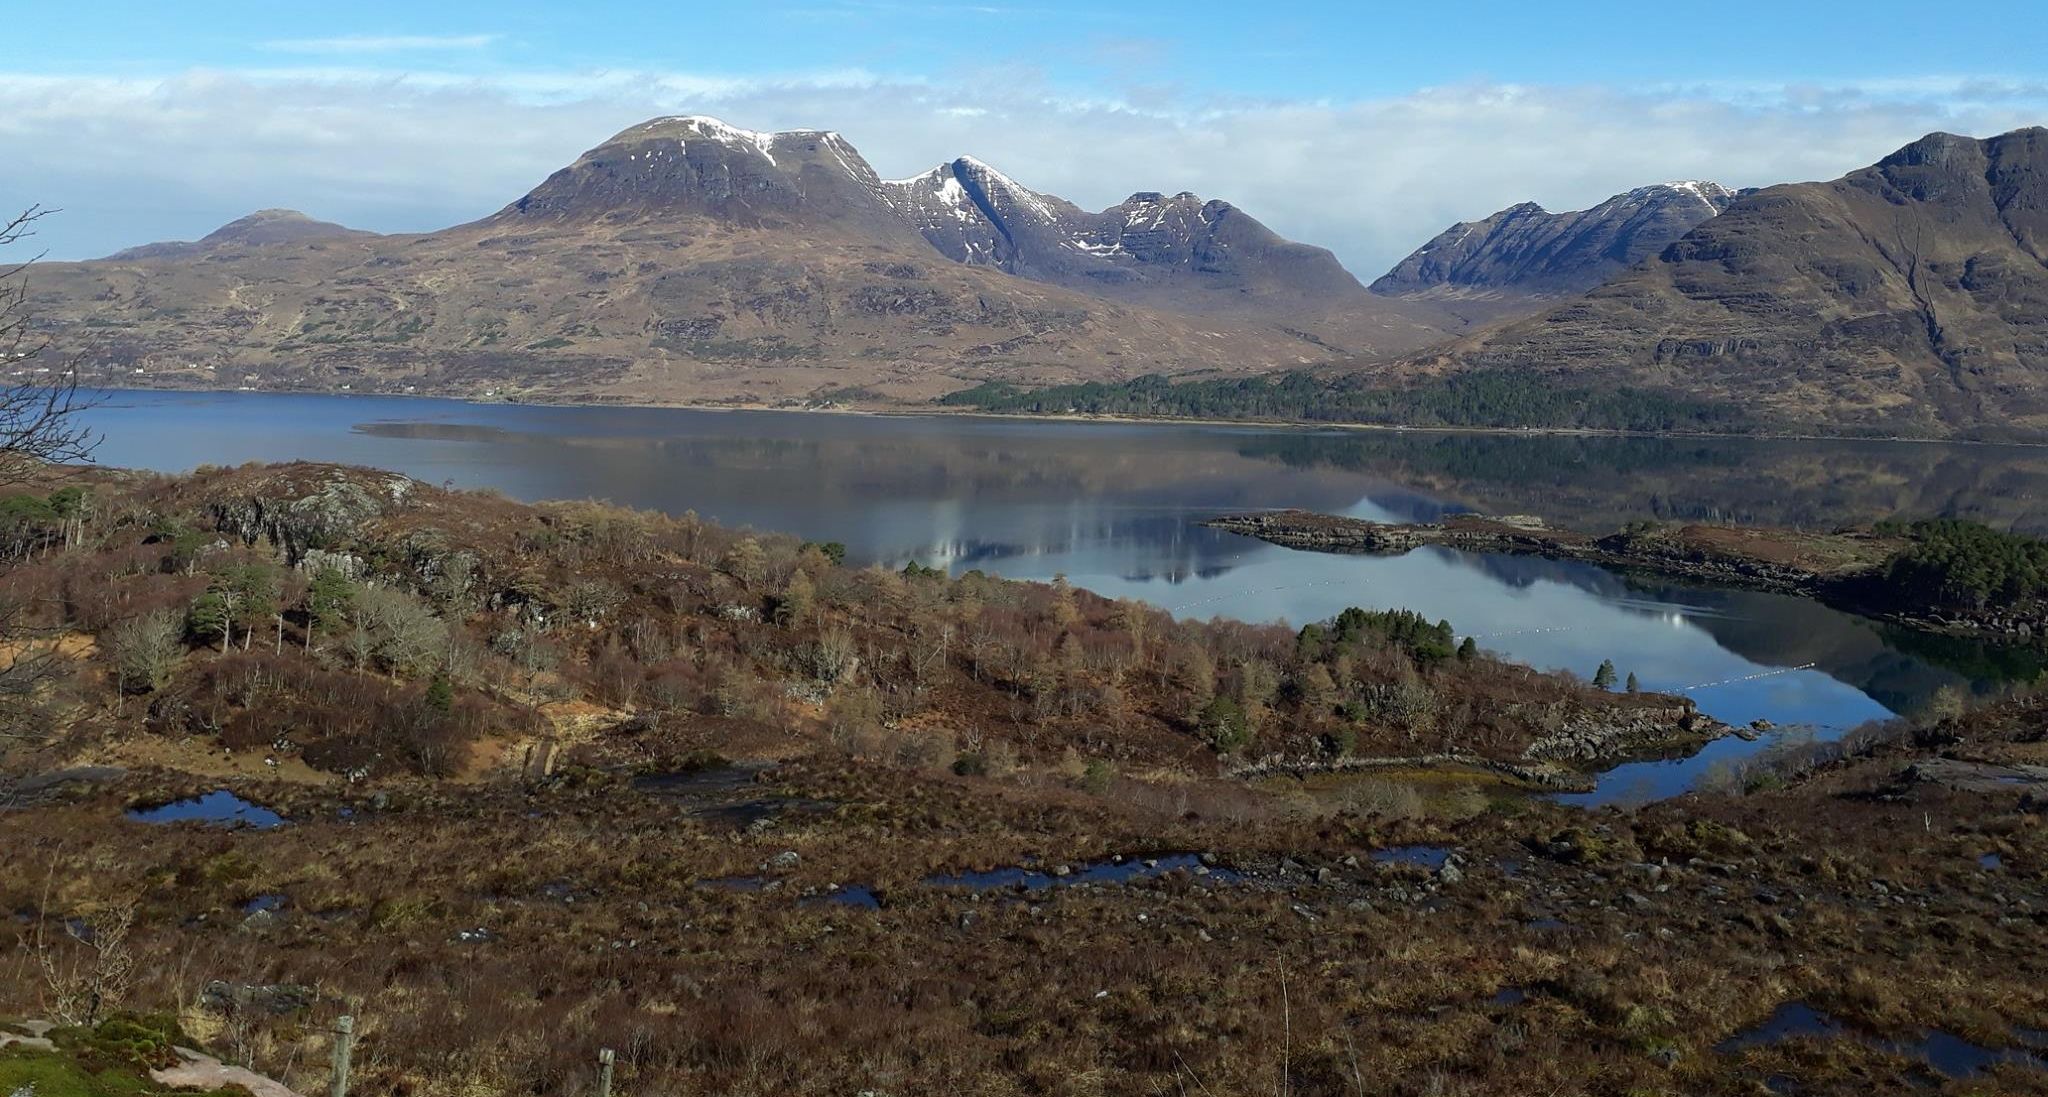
(1548, 777)
(198, 1070)
(1978, 776)
(307, 509)
(1602, 738)
(1586, 741)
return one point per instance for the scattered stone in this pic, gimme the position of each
(276, 999)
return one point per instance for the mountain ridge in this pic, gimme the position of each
(1909, 297)
(1527, 252)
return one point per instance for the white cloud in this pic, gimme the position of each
(388, 43)
(137, 159)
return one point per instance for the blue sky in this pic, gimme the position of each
(1363, 126)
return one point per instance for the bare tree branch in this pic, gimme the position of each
(39, 427)
(39, 422)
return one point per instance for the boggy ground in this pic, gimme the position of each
(491, 937)
(573, 864)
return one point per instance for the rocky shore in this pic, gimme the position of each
(1566, 760)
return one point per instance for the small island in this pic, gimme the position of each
(1940, 575)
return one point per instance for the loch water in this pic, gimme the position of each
(1115, 507)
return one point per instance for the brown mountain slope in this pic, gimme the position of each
(1910, 297)
(681, 260)
(266, 226)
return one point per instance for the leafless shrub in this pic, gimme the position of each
(145, 650)
(92, 976)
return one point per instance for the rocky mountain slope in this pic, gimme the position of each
(1526, 253)
(1179, 252)
(685, 259)
(1909, 297)
(269, 226)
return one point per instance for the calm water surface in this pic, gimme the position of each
(1114, 506)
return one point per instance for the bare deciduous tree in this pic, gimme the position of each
(39, 426)
(39, 404)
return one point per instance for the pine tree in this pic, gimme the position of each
(1604, 677)
(1632, 685)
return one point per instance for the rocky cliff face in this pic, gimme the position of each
(973, 213)
(1528, 251)
(1909, 297)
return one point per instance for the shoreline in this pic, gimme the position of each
(935, 411)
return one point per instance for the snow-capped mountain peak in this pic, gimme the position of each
(1527, 249)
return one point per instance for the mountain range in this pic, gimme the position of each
(686, 259)
(1909, 297)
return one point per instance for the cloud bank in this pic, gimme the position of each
(132, 159)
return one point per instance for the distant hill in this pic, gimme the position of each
(686, 259)
(269, 226)
(1525, 253)
(1909, 297)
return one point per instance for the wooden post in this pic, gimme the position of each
(344, 1043)
(604, 1072)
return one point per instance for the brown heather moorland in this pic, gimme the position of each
(563, 777)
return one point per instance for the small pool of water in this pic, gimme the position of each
(1113, 871)
(267, 903)
(219, 808)
(1991, 862)
(857, 896)
(1944, 1052)
(1429, 857)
